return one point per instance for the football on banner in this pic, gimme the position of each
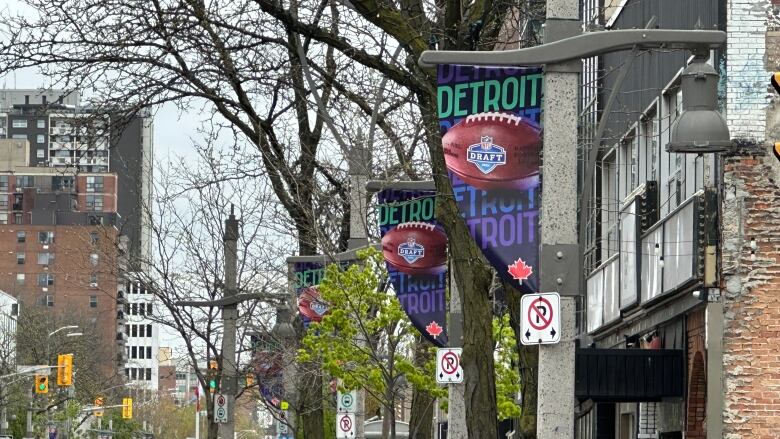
(310, 304)
(416, 248)
(494, 151)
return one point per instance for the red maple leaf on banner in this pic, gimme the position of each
(434, 329)
(520, 271)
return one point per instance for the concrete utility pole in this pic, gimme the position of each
(229, 316)
(558, 227)
(456, 398)
(359, 166)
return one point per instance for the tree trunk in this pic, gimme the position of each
(529, 360)
(421, 413)
(310, 393)
(474, 279)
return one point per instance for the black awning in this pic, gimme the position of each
(629, 375)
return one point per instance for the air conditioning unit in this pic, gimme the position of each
(93, 284)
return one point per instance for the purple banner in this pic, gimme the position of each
(415, 249)
(490, 122)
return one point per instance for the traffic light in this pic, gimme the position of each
(99, 401)
(250, 380)
(127, 408)
(65, 370)
(41, 384)
(212, 376)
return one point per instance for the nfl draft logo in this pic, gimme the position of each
(411, 250)
(486, 155)
(319, 308)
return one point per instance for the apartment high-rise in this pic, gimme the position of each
(65, 135)
(83, 177)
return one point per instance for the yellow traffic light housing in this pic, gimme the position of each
(212, 376)
(99, 401)
(41, 384)
(127, 408)
(65, 370)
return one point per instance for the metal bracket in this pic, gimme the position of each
(559, 29)
(556, 29)
(580, 46)
(560, 269)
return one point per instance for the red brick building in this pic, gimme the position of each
(59, 247)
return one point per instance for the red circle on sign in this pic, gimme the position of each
(221, 400)
(345, 423)
(535, 314)
(449, 362)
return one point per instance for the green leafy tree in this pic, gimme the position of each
(366, 340)
(506, 361)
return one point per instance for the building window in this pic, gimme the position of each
(95, 203)
(133, 373)
(94, 259)
(45, 279)
(19, 136)
(134, 352)
(149, 352)
(41, 123)
(21, 237)
(3, 218)
(148, 330)
(40, 139)
(628, 168)
(49, 300)
(46, 237)
(93, 279)
(608, 208)
(45, 258)
(141, 329)
(93, 237)
(148, 374)
(19, 123)
(94, 184)
(134, 330)
(17, 218)
(62, 183)
(3, 183)
(127, 330)
(95, 220)
(20, 258)
(93, 301)
(19, 279)
(25, 181)
(148, 309)
(41, 153)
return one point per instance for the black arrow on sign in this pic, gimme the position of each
(552, 332)
(441, 375)
(528, 333)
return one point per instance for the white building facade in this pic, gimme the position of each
(9, 313)
(142, 337)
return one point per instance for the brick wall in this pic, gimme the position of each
(696, 398)
(751, 358)
(746, 88)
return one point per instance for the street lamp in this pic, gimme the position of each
(700, 128)
(48, 338)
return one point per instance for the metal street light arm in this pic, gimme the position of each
(62, 329)
(580, 46)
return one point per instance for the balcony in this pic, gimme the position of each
(652, 262)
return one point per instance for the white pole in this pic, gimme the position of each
(197, 424)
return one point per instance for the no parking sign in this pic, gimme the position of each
(540, 318)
